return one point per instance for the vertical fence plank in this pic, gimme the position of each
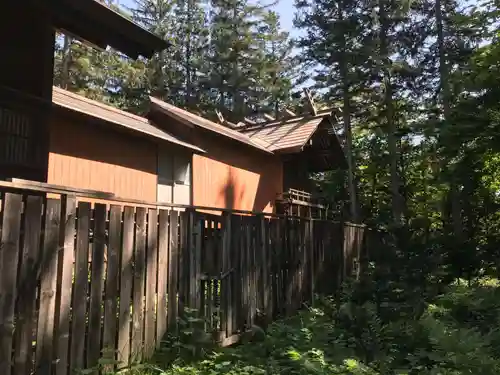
(310, 260)
(288, 259)
(272, 261)
(48, 286)
(161, 317)
(194, 232)
(278, 264)
(28, 284)
(96, 285)
(139, 283)
(253, 268)
(126, 281)
(263, 249)
(9, 253)
(151, 282)
(196, 263)
(238, 231)
(270, 269)
(111, 288)
(246, 231)
(210, 270)
(227, 326)
(173, 274)
(65, 284)
(305, 261)
(183, 262)
(79, 302)
(236, 274)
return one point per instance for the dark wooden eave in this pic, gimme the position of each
(99, 25)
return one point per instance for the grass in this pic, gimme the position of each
(455, 333)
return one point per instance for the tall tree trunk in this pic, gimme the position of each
(397, 199)
(346, 117)
(189, 88)
(456, 211)
(65, 62)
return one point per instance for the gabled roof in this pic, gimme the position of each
(286, 135)
(137, 124)
(96, 23)
(191, 119)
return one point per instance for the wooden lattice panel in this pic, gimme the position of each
(16, 134)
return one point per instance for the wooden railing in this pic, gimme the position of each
(81, 281)
(301, 203)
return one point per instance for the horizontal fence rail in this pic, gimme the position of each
(82, 281)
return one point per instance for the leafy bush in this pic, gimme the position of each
(454, 333)
(378, 325)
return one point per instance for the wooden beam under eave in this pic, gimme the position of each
(269, 117)
(290, 113)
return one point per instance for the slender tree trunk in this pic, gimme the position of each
(397, 199)
(189, 87)
(65, 62)
(456, 211)
(346, 117)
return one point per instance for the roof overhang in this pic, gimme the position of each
(194, 121)
(101, 26)
(120, 120)
(322, 149)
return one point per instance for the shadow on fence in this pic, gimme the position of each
(81, 281)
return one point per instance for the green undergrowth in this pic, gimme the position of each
(454, 332)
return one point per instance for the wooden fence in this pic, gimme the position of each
(79, 282)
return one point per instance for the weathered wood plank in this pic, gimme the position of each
(126, 282)
(311, 265)
(79, 304)
(264, 264)
(139, 283)
(268, 284)
(9, 253)
(237, 275)
(151, 282)
(173, 271)
(96, 285)
(28, 284)
(303, 261)
(281, 264)
(161, 318)
(196, 262)
(48, 286)
(247, 264)
(193, 231)
(227, 324)
(253, 269)
(183, 262)
(288, 282)
(110, 326)
(210, 267)
(65, 284)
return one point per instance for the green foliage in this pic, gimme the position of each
(388, 330)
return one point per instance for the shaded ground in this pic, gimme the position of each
(455, 333)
